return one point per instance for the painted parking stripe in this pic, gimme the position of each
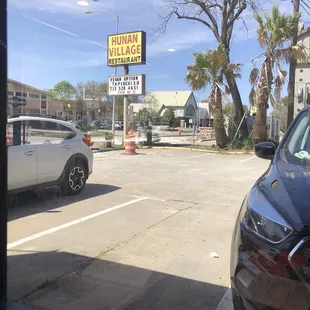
(72, 223)
(243, 160)
(226, 301)
(201, 155)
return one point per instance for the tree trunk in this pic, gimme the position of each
(239, 112)
(262, 97)
(218, 122)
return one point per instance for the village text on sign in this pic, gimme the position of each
(127, 85)
(127, 49)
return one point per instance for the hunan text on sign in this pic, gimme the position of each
(127, 49)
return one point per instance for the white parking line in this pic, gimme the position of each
(248, 159)
(226, 301)
(100, 155)
(69, 224)
(201, 155)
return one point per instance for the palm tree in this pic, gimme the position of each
(209, 69)
(274, 34)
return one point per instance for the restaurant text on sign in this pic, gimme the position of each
(127, 49)
(127, 85)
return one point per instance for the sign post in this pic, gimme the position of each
(126, 71)
(126, 49)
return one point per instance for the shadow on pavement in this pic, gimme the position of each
(48, 199)
(65, 281)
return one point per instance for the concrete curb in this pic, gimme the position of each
(108, 150)
(203, 150)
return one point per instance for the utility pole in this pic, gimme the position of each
(126, 72)
(293, 63)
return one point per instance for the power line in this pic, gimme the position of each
(302, 5)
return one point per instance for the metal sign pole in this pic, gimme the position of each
(126, 72)
(3, 152)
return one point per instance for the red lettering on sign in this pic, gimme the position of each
(135, 38)
(114, 40)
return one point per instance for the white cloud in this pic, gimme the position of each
(57, 6)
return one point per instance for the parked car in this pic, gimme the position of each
(79, 123)
(95, 124)
(270, 250)
(44, 152)
(100, 124)
(119, 125)
(105, 125)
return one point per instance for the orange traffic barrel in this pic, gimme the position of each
(88, 137)
(130, 144)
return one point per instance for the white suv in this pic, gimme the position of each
(44, 152)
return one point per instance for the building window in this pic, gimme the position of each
(18, 94)
(24, 95)
(34, 96)
(43, 96)
(43, 104)
(10, 93)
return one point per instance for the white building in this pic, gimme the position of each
(204, 115)
(183, 103)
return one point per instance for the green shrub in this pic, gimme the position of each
(243, 144)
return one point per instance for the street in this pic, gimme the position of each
(140, 236)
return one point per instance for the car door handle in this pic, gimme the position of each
(29, 153)
(67, 147)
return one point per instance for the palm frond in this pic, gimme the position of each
(278, 87)
(298, 52)
(227, 90)
(283, 54)
(254, 76)
(272, 100)
(252, 97)
(262, 37)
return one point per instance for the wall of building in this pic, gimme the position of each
(36, 101)
(302, 77)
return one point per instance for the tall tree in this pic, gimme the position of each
(169, 116)
(274, 33)
(219, 17)
(62, 91)
(211, 69)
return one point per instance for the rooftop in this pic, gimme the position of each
(28, 86)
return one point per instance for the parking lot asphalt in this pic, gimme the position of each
(139, 236)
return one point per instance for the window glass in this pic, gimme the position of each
(43, 104)
(10, 93)
(43, 96)
(297, 147)
(13, 133)
(18, 94)
(40, 132)
(33, 95)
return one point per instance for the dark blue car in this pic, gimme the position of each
(270, 253)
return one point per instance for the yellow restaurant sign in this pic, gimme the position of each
(127, 49)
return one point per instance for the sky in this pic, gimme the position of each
(54, 40)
